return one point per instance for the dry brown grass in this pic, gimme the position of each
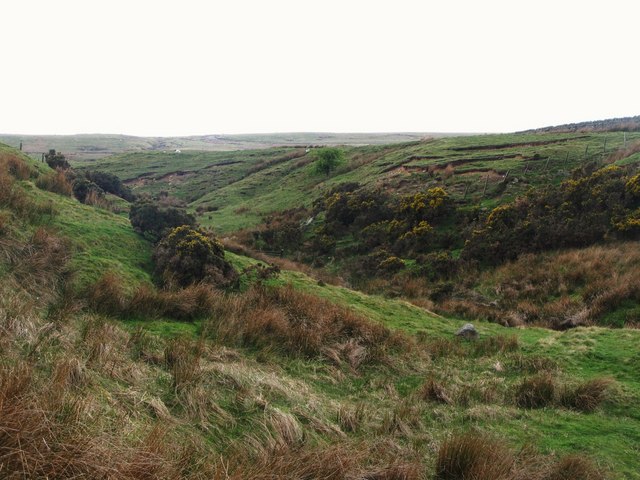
(108, 296)
(623, 153)
(588, 396)
(182, 357)
(573, 467)
(55, 182)
(474, 456)
(494, 344)
(434, 391)
(584, 284)
(536, 392)
(351, 419)
(301, 324)
(95, 199)
(15, 166)
(532, 363)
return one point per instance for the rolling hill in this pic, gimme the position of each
(93, 383)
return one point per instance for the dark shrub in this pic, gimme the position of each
(154, 220)
(111, 184)
(189, 255)
(577, 213)
(56, 160)
(83, 189)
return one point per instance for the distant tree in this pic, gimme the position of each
(327, 159)
(154, 220)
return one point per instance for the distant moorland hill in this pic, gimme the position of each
(623, 124)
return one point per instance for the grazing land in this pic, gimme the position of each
(290, 371)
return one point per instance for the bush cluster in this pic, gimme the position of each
(579, 212)
(153, 219)
(188, 255)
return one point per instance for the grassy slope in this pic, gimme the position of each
(102, 241)
(222, 191)
(611, 435)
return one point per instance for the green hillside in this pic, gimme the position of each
(137, 395)
(471, 168)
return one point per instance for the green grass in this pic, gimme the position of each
(101, 240)
(610, 435)
(228, 192)
(105, 241)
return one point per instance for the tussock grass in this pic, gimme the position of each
(182, 357)
(351, 419)
(574, 467)
(303, 325)
(56, 182)
(586, 284)
(532, 363)
(587, 396)
(110, 296)
(478, 456)
(473, 456)
(536, 392)
(434, 391)
(15, 166)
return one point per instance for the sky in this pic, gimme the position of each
(189, 67)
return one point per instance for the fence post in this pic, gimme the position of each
(485, 184)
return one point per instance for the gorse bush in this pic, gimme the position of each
(56, 160)
(578, 213)
(189, 255)
(110, 183)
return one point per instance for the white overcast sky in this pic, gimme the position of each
(187, 67)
